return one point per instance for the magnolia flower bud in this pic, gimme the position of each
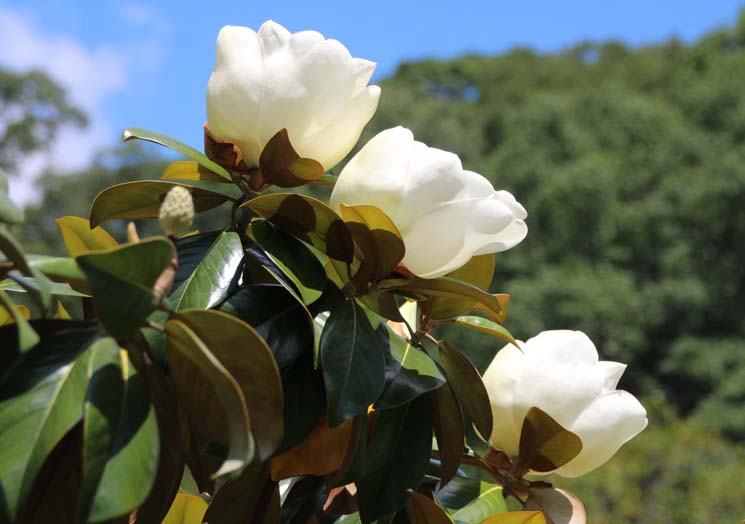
(176, 211)
(445, 214)
(559, 372)
(272, 79)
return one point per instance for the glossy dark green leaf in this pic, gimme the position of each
(270, 309)
(121, 445)
(293, 259)
(544, 443)
(307, 219)
(142, 199)
(352, 361)
(210, 395)
(478, 272)
(121, 282)
(450, 432)
(354, 465)
(282, 166)
(459, 492)
(304, 400)
(468, 386)
(209, 282)
(489, 501)
(423, 510)
(409, 372)
(486, 326)
(250, 361)
(133, 133)
(61, 270)
(377, 237)
(397, 456)
(41, 399)
(447, 288)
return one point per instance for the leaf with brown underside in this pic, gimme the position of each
(545, 444)
(478, 272)
(282, 166)
(559, 506)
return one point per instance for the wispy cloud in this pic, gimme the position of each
(91, 74)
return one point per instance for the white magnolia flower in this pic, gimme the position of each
(559, 373)
(445, 214)
(272, 79)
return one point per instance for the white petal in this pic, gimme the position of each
(477, 185)
(612, 372)
(376, 175)
(234, 90)
(273, 37)
(559, 376)
(500, 379)
(435, 177)
(363, 71)
(606, 424)
(508, 199)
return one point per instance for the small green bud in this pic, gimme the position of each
(177, 211)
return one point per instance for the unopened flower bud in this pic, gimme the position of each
(177, 211)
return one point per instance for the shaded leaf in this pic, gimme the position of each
(121, 445)
(237, 500)
(352, 362)
(282, 166)
(80, 238)
(251, 363)
(409, 372)
(121, 282)
(449, 430)
(486, 326)
(293, 259)
(468, 386)
(478, 272)
(142, 199)
(397, 456)
(210, 395)
(38, 286)
(377, 237)
(423, 510)
(55, 288)
(173, 144)
(544, 443)
(307, 219)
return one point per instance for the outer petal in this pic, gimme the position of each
(435, 177)
(559, 376)
(608, 423)
(376, 175)
(234, 89)
(612, 372)
(500, 380)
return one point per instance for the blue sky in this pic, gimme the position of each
(146, 64)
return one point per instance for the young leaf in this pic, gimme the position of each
(409, 372)
(352, 362)
(307, 219)
(469, 387)
(545, 444)
(121, 281)
(80, 238)
(490, 501)
(210, 395)
(142, 199)
(251, 363)
(397, 456)
(171, 143)
(293, 259)
(121, 445)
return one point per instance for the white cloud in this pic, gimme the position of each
(91, 74)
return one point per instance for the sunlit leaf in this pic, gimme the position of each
(190, 170)
(11, 313)
(490, 501)
(186, 509)
(171, 143)
(478, 272)
(26, 276)
(79, 238)
(484, 325)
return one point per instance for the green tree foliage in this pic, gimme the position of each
(631, 165)
(32, 109)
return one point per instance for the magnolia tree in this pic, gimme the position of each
(287, 367)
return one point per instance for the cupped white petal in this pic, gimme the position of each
(559, 376)
(234, 90)
(376, 175)
(500, 380)
(273, 37)
(612, 371)
(604, 426)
